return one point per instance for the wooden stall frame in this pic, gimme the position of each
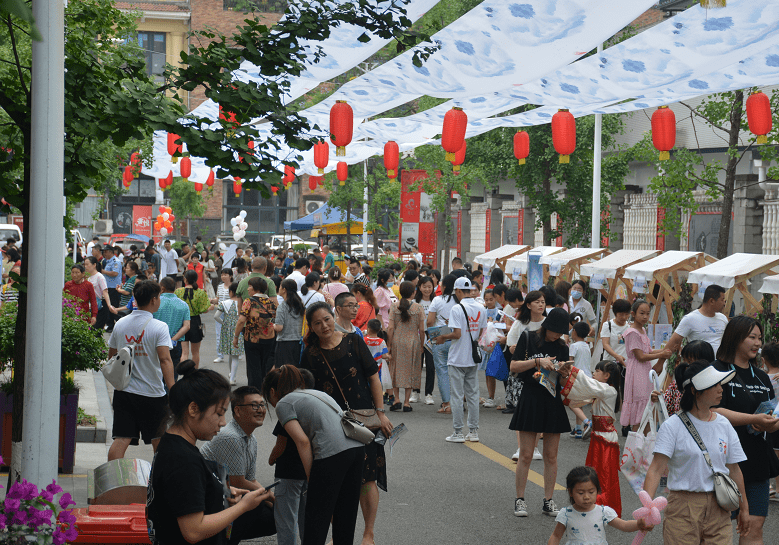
(523, 278)
(568, 270)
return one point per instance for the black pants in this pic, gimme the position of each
(258, 522)
(259, 360)
(334, 493)
(115, 297)
(287, 353)
(175, 356)
(427, 360)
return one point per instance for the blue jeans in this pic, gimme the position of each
(440, 356)
(289, 510)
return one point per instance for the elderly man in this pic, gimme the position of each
(259, 265)
(235, 447)
(328, 257)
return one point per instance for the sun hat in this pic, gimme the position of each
(556, 321)
(462, 283)
(709, 377)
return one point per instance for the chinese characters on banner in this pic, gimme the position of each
(142, 220)
(417, 219)
(488, 230)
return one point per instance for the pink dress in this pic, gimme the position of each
(638, 387)
(384, 301)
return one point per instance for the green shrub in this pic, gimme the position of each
(384, 262)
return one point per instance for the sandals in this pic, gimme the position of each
(445, 409)
(396, 407)
(407, 408)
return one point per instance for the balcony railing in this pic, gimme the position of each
(259, 6)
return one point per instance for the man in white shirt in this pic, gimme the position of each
(467, 319)
(95, 241)
(346, 309)
(169, 259)
(417, 254)
(705, 324)
(356, 274)
(300, 272)
(139, 409)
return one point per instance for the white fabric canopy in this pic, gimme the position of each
(570, 255)
(517, 265)
(770, 285)
(663, 261)
(608, 266)
(724, 272)
(488, 259)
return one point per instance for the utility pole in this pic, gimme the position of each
(595, 241)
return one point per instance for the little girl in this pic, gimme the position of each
(638, 386)
(584, 522)
(375, 338)
(600, 390)
(227, 315)
(579, 353)
(222, 294)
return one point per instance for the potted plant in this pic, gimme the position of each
(83, 349)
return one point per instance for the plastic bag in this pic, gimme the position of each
(489, 338)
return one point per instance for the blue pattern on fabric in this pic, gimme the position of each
(525, 11)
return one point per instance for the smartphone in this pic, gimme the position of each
(271, 486)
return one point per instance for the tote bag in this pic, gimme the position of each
(639, 449)
(496, 366)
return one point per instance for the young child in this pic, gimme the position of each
(227, 315)
(584, 521)
(580, 354)
(376, 340)
(291, 497)
(492, 316)
(600, 390)
(770, 357)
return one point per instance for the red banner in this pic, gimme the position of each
(660, 244)
(18, 221)
(142, 220)
(488, 228)
(460, 232)
(417, 217)
(521, 226)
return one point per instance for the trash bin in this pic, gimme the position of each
(118, 482)
(111, 524)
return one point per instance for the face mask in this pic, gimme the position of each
(289, 254)
(576, 295)
(390, 284)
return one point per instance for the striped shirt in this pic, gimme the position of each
(232, 447)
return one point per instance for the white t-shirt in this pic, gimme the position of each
(616, 340)
(298, 277)
(687, 468)
(583, 307)
(98, 282)
(517, 328)
(169, 263)
(697, 327)
(586, 528)
(442, 306)
(418, 257)
(460, 353)
(580, 353)
(146, 376)
(311, 297)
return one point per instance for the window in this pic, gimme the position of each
(260, 6)
(153, 46)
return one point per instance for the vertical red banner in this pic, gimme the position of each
(460, 233)
(521, 226)
(488, 229)
(605, 215)
(660, 244)
(559, 228)
(142, 220)
(417, 218)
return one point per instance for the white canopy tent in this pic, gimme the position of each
(734, 272)
(565, 265)
(499, 256)
(516, 266)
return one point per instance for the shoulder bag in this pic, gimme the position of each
(118, 369)
(353, 428)
(475, 354)
(725, 488)
(367, 417)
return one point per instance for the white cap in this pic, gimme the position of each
(709, 377)
(462, 283)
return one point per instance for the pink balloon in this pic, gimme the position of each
(649, 513)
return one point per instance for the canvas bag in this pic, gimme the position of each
(118, 369)
(639, 449)
(496, 366)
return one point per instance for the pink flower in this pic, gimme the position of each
(54, 488)
(12, 504)
(65, 501)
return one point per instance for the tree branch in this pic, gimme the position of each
(709, 121)
(16, 56)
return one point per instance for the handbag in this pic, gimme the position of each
(353, 428)
(489, 338)
(639, 449)
(496, 366)
(725, 489)
(119, 368)
(367, 417)
(475, 354)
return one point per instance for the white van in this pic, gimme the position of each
(10, 230)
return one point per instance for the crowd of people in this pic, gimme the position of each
(317, 342)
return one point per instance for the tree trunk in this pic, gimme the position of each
(736, 113)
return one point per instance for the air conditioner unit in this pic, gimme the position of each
(103, 227)
(313, 206)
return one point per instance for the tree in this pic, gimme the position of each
(689, 169)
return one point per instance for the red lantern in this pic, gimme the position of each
(664, 131)
(168, 183)
(759, 116)
(521, 146)
(163, 185)
(210, 180)
(312, 183)
(453, 134)
(341, 126)
(228, 121)
(564, 134)
(321, 156)
(237, 187)
(342, 170)
(289, 174)
(186, 168)
(391, 158)
(173, 147)
(198, 187)
(127, 176)
(459, 158)
(274, 189)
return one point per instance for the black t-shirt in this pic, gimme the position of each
(288, 465)
(743, 394)
(529, 346)
(182, 482)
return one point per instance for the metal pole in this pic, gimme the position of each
(595, 241)
(40, 431)
(365, 212)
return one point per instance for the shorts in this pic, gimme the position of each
(137, 416)
(757, 496)
(195, 333)
(694, 518)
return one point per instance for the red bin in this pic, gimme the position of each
(112, 524)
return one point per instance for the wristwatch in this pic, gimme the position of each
(381, 410)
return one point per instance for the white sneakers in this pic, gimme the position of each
(414, 397)
(515, 456)
(536, 455)
(489, 403)
(473, 437)
(429, 399)
(456, 438)
(220, 359)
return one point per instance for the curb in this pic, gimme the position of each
(99, 432)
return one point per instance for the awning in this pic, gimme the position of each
(322, 217)
(770, 285)
(664, 261)
(609, 265)
(500, 254)
(517, 266)
(733, 269)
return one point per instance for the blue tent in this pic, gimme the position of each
(322, 217)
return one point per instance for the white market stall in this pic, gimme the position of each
(608, 273)
(499, 256)
(734, 272)
(771, 287)
(658, 270)
(516, 267)
(567, 265)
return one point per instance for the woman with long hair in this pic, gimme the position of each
(438, 316)
(289, 324)
(199, 304)
(384, 295)
(335, 285)
(406, 335)
(366, 303)
(96, 278)
(741, 397)
(210, 273)
(333, 463)
(240, 269)
(424, 296)
(344, 368)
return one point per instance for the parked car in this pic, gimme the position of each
(10, 230)
(281, 241)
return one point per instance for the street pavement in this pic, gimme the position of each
(439, 492)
